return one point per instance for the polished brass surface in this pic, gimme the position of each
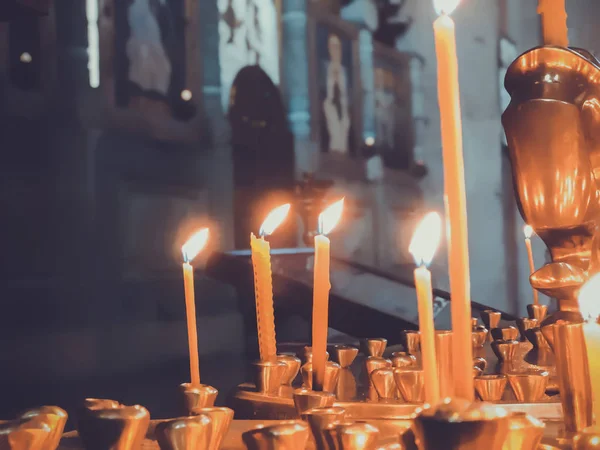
(320, 419)
(184, 433)
(529, 387)
(587, 439)
(292, 363)
(352, 436)
(443, 352)
(305, 399)
(474, 322)
(268, 376)
(553, 117)
(505, 350)
(491, 318)
(524, 324)
(373, 346)
(461, 425)
(347, 388)
(345, 355)
(195, 397)
(332, 374)
(411, 340)
(537, 312)
(103, 426)
(403, 359)
(384, 383)
(480, 362)
(505, 334)
(524, 432)
(537, 339)
(573, 375)
(566, 316)
(220, 421)
(479, 336)
(411, 383)
(54, 417)
(376, 362)
(490, 388)
(25, 434)
(291, 435)
(307, 355)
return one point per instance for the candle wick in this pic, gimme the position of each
(185, 257)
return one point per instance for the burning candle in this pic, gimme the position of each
(190, 249)
(528, 230)
(263, 283)
(423, 246)
(589, 304)
(456, 201)
(328, 219)
(554, 22)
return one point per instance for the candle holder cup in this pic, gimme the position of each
(54, 417)
(384, 383)
(524, 433)
(530, 386)
(195, 397)
(184, 433)
(292, 370)
(461, 425)
(320, 419)
(269, 376)
(308, 355)
(351, 436)
(491, 318)
(505, 334)
(490, 388)
(220, 421)
(411, 340)
(505, 350)
(479, 336)
(332, 374)
(403, 359)
(524, 324)
(373, 346)
(411, 383)
(537, 312)
(345, 355)
(289, 435)
(105, 424)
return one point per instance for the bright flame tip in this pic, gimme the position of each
(194, 245)
(528, 231)
(426, 239)
(274, 219)
(330, 217)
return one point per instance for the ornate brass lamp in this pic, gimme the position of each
(552, 127)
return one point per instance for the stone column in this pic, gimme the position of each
(364, 14)
(294, 59)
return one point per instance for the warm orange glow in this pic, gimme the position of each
(329, 218)
(589, 298)
(426, 239)
(445, 7)
(194, 245)
(274, 219)
(528, 231)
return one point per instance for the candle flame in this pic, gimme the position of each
(194, 245)
(329, 218)
(274, 219)
(426, 239)
(589, 298)
(528, 231)
(445, 7)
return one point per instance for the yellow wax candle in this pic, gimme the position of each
(589, 303)
(190, 249)
(320, 317)
(422, 247)
(528, 232)
(554, 22)
(456, 202)
(263, 284)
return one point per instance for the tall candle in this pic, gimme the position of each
(328, 219)
(589, 303)
(263, 284)
(528, 232)
(422, 246)
(554, 22)
(456, 202)
(190, 249)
